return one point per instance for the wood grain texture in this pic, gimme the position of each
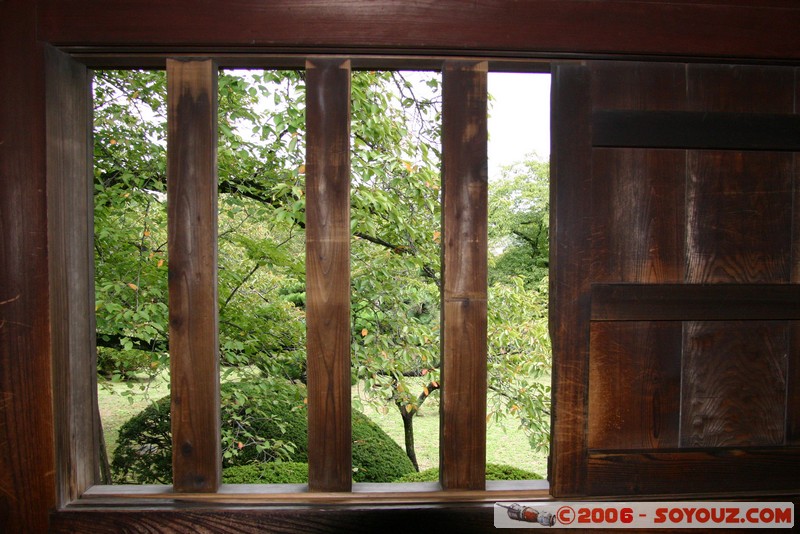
(192, 248)
(27, 469)
(695, 302)
(570, 263)
(739, 217)
(462, 449)
(740, 89)
(634, 385)
(460, 518)
(328, 274)
(70, 191)
(659, 28)
(364, 493)
(638, 223)
(694, 473)
(734, 384)
(731, 216)
(793, 393)
(638, 85)
(793, 386)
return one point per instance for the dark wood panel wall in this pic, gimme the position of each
(764, 31)
(701, 231)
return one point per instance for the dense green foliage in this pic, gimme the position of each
(263, 422)
(266, 473)
(493, 472)
(395, 248)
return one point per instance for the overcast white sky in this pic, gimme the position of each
(519, 118)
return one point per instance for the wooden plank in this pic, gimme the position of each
(793, 393)
(364, 493)
(570, 230)
(638, 223)
(462, 518)
(634, 385)
(696, 130)
(328, 274)
(734, 384)
(793, 386)
(27, 468)
(694, 473)
(701, 302)
(192, 247)
(71, 238)
(739, 217)
(462, 449)
(544, 27)
(638, 85)
(740, 89)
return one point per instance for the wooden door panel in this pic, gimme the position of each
(739, 217)
(740, 89)
(733, 383)
(638, 223)
(634, 360)
(687, 362)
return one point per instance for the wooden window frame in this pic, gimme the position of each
(192, 227)
(137, 33)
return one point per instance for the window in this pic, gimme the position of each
(192, 215)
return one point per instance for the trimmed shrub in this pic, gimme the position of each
(261, 422)
(376, 456)
(493, 472)
(266, 473)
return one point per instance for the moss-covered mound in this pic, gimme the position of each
(266, 473)
(261, 422)
(493, 472)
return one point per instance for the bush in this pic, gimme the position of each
(123, 363)
(376, 456)
(493, 472)
(258, 425)
(266, 473)
(261, 422)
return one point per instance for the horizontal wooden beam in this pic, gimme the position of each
(741, 29)
(695, 302)
(695, 130)
(689, 472)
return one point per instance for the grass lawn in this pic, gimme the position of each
(119, 401)
(505, 443)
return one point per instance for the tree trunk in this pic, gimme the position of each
(408, 431)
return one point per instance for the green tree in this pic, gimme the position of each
(519, 221)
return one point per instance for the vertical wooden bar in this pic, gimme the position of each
(71, 234)
(793, 363)
(192, 244)
(328, 274)
(27, 469)
(462, 451)
(570, 259)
